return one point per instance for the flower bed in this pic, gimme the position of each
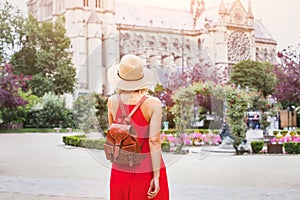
(282, 140)
(192, 139)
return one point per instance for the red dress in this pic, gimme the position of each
(132, 183)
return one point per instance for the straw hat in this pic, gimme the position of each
(130, 74)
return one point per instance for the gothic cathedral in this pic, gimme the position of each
(210, 40)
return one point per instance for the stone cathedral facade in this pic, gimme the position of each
(211, 39)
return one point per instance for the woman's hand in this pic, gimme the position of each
(154, 188)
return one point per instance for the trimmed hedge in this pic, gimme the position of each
(257, 146)
(165, 146)
(82, 141)
(292, 147)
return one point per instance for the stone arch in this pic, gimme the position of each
(125, 42)
(165, 53)
(151, 41)
(138, 40)
(164, 42)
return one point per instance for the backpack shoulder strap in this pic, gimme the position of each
(121, 106)
(137, 105)
(134, 109)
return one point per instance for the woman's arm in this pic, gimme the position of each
(109, 111)
(155, 146)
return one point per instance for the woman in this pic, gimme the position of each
(147, 180)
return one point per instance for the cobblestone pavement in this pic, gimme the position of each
(41, 167)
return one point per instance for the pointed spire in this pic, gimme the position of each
(196, 8)
(223, 9)
(250, 13)
(200, 7)
(192, 6)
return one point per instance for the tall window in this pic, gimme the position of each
(98, 4)
(85, 2)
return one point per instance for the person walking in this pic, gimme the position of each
(148, 179)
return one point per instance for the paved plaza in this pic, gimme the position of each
(40, 167)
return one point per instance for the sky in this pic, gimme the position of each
(281, 18)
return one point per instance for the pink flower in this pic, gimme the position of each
(281, 140)
(273, 140)
(187, 142)
(296, 139)
(175, 142)
(170, 137)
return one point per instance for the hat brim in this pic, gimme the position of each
(146, 82)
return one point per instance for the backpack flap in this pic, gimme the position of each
(117, 133)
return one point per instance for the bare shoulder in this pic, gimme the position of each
(153, 101)
(150, 106)
(112, 98)
(111, 101)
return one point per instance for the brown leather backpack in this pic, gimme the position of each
(122, 146)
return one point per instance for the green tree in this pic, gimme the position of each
(45, 56)
(101, 111)
(255, 75)
(11, 34)
(84, 113)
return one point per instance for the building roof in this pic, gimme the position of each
(137, 14)
(142, 15)
(261, 32)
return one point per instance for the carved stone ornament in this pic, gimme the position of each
(238, 46)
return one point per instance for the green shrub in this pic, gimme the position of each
(92, 144)
(257, 146)
(84, 113)
(289, 147)
(82, 141)
(49, 113)
(101, 111)
(292, 147)
(165, 146)
(76, 142)
(297, 147)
